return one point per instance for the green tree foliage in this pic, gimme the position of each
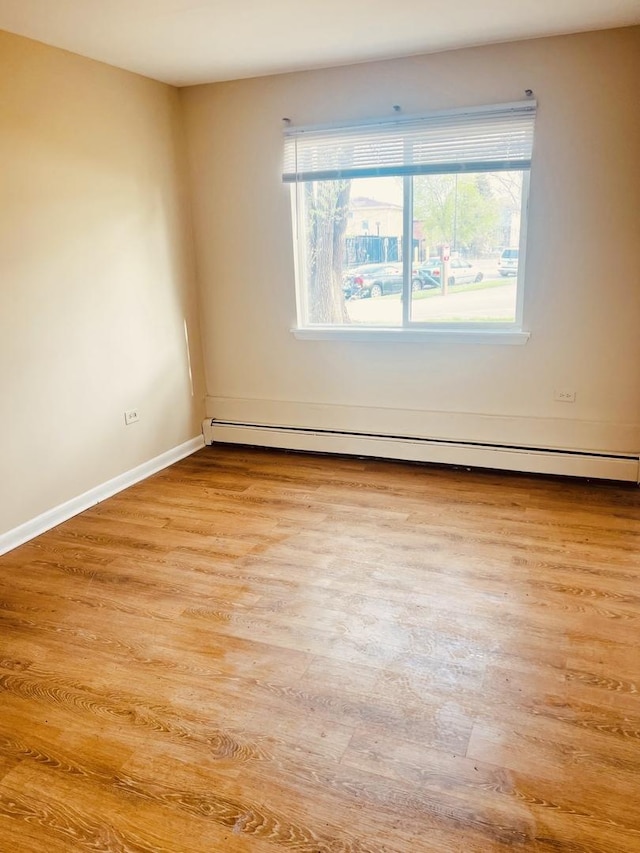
(327, 210)
(461, 211)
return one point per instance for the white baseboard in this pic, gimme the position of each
(607, 466)
(52, 517)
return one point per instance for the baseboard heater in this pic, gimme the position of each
(472, 454)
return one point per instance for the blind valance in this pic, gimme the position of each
(484, 139)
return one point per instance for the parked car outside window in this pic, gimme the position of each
(376, 280)
(429, 273)
(508, 263)
(461, 272)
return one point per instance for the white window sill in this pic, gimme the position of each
(493, 336)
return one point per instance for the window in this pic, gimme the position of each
(412, 224)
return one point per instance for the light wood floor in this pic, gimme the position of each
(257, 651)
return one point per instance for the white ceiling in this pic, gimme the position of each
(197, 41)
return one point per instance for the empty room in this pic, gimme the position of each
(320, 381)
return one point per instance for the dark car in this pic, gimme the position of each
(428, 273)
(376, 280)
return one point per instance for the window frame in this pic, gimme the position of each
(410, 329)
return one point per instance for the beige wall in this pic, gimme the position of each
(97, 274)
(583, 264)
(96, 277)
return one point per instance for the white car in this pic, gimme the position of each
(462, 271)
(508, 263)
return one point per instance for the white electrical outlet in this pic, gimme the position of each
(131, 416)
(564, 395)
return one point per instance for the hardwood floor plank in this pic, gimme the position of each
(261, 651)
(75, 816)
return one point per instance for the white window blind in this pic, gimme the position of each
(482, 139)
